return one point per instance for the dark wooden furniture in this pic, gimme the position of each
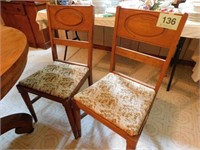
(60, 80)
(14, 50)
(120, 101)
(21, 15)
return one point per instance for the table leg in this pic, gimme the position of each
(175, 60)
(76, 38)
(22, 123)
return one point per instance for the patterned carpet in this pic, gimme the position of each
(173, 124)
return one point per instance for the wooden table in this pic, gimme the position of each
(14, 50)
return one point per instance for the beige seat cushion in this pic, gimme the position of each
(121, 101)
(58, 79)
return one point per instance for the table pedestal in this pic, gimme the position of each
(22, 123)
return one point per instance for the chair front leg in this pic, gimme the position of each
(28, 102)
(130, 145)
(71, 119)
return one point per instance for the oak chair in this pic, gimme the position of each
(119, 101)
(60, 80)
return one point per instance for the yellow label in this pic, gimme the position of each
(169, 21)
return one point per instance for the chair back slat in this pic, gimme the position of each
(158, 62)
(140, 25)
(82, 44)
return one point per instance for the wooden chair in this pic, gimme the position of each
(119, 101)
(60, 80)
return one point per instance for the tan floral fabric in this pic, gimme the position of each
(58, 79)
(119, 100)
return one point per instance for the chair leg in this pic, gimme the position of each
(28, 102)
(90, 80)
(77, 115)
(130, 145)
(70, 116)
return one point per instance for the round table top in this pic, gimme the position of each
(13, 54)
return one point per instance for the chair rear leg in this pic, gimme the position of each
(70, 116)
(90, 82)
(28, 102)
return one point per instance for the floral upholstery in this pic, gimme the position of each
(119, 100)
(58, 79)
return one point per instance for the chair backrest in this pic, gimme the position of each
(140, 25)
(71, 18)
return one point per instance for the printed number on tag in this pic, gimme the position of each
(169, 21)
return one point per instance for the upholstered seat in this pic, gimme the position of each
(127, 101)
(58, 79)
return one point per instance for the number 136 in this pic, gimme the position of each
(169, 20)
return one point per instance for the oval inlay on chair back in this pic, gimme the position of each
(65, 16)
(139, 24)
(70, 17)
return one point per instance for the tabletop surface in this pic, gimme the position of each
(14, 50)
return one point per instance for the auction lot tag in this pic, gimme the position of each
(169, 21)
